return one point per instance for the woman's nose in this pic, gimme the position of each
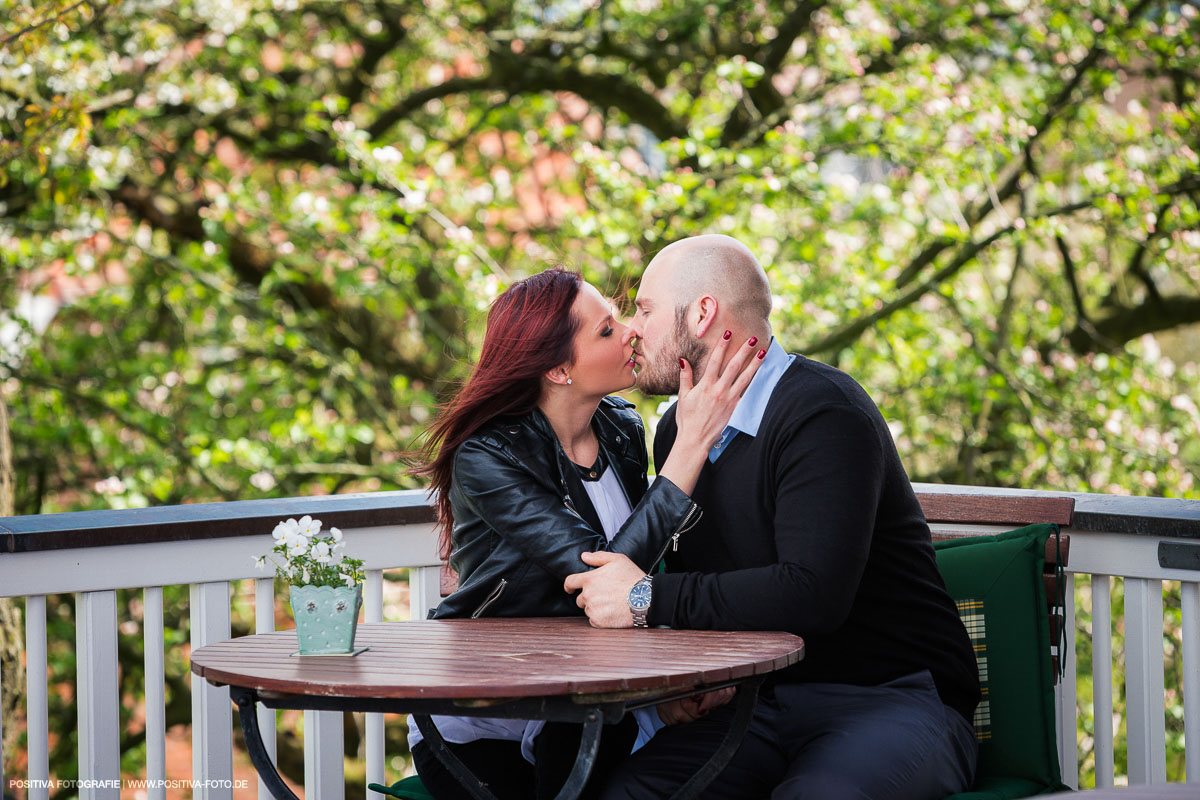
(628, 335)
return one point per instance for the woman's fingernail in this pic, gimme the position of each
(761, 353)
(727, 335)
(753, 341)
(682, 364)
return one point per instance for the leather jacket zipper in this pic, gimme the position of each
(689, 522)
(491, 598)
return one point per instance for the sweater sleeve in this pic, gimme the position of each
(827, 479)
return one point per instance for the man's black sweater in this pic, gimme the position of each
(812, 527)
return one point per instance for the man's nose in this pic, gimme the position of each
(628, 335)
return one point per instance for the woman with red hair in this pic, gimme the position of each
(532, 463)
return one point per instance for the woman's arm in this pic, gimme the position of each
(703, 410)
(539, 522)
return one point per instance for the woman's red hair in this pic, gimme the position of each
(530, 331)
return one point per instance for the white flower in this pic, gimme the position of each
(311, 556)
(260, 562)
(320, 552)
(297, 545)
(387, 155)
(284, 530)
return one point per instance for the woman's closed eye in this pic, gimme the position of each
(606, 332)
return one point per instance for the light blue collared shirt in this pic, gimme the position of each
(749, 412)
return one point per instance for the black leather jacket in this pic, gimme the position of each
(517, 534)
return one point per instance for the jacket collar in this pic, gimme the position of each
(615, 441)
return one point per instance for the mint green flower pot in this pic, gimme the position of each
(326, 618)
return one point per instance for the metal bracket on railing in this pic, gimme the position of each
(1176, 555)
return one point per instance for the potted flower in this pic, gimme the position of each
(325, 586)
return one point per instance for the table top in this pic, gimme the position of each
(498, 658)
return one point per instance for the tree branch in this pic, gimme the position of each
(1126, 323)
(416, 100)
(1060, 103)
(373, 336)
(517, 76)
(42, 23)
(852, 331)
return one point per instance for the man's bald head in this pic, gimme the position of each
(690, 294)
(717, 265)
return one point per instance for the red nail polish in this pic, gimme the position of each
(753, 341)
(727, 335)
(682, 364)
(761, 353)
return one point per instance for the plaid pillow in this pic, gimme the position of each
(997, 583)
(971, 613)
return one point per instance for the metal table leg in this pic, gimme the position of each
(747, 700)
(458, 769)
(246, 701)
(589, 746)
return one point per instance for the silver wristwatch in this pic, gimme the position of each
(639, 601)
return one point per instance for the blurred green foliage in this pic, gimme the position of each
(247, 245)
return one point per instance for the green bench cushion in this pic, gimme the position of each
(410, 788)
(1002, 789)
(996, 581)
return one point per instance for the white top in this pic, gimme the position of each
(612, 507)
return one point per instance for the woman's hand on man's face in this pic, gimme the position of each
(704, 407)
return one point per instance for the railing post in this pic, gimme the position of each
(1065, 690)
(212, 711)
(424, 590)
(1146, 719)
(153, 643)
(99, 690)
(264, 622)
(324, 741)
(37, 698)
(1190, 596)
(373, 723)
(1102, 686)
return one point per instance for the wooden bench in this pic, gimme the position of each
(1011, 512)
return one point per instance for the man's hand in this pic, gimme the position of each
(604, 591)
(690, 709)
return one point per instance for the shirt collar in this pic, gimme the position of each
(749, 412)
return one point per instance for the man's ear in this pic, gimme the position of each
(704, 314)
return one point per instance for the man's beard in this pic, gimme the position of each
(662, 376)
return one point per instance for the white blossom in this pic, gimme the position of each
(320, 552)
(297, 545)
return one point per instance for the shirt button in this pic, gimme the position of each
(592, 473)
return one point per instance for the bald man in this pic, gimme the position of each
(811, 526)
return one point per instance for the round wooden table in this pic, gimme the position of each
(558, 669)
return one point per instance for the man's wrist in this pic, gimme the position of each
(640, 595)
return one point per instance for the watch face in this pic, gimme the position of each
(639, 595)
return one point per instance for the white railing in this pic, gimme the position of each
(106, 551)
(1120, 538)
(207, 566)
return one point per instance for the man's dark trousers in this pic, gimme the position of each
(820, 741)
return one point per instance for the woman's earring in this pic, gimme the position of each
(568, 381)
